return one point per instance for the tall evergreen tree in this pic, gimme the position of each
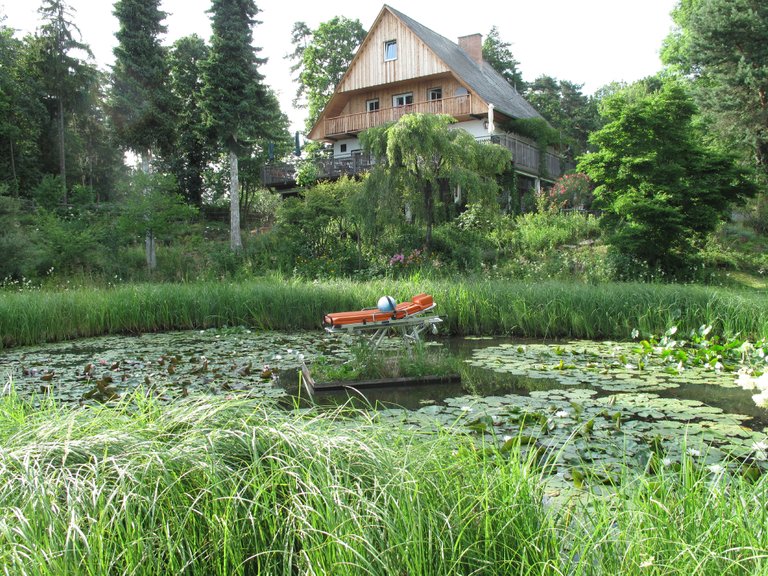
(140, 99)
(499, 55)
(64, 76)
(140, 102)
(194, 147)
(567, 109)
(723, 46)
(22, 116)
(238, 106)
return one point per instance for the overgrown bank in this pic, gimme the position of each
(493, 307)
(237, 487)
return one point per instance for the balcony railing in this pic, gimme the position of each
(526, 156)
(354, 123)
(280, 175)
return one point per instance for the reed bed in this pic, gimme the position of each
(540, 310)
(236, 487)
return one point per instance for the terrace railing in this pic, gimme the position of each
(526, 156)
(354, 123)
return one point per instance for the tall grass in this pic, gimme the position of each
(236, 488)
(240, 488)
(479, 307)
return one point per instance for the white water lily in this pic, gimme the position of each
(561, 414)
(716, 469)
(761, 399)
(693, 452)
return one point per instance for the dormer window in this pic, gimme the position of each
(390, 50)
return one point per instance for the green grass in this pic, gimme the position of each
(491, 307)
(237, 487)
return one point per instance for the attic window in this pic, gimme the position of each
(390, 50)
(435, 94)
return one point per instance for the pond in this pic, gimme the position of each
(596, 405)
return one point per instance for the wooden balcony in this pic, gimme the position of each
(284, 175)
(350, 124)
(525, 155)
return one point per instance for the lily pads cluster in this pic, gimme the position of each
(168, 366)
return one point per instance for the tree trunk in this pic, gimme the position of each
(13, 170)
(62, 156)
(428, 213)
(235, 242)
(150, 248)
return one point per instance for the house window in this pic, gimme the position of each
(390, 50)
(461, 91)
(342, 148)
(372, 105)
(402, 100)
(435, 94)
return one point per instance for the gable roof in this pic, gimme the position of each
(482, 78)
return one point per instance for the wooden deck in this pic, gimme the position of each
(526, 156)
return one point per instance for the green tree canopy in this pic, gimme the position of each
(194, 147)
(140, 99)
(239, 108)
(723, 46)
(499, 55)
(568, 111)
(321, 57)
(660, 188)
(422, 160)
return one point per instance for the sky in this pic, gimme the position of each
(589, 42)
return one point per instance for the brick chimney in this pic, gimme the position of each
(473, 46)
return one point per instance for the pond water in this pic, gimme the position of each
(597, 404)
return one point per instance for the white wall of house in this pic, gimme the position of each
(474, 127)
(345, 147)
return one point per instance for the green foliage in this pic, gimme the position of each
(460, 249)
(140, 99)
(321, 57)
(152, 203)
(48, 194)
(660, 189)
(69, 247)
(17, 242)
(723, 45)
(499, 55)
(423, 161)
(194, 147)
(572, 116)
(318, 232)
(539, 232)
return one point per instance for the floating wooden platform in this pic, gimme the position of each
(387, 382)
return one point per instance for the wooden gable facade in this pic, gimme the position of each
(379, 88)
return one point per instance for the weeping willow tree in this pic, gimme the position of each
(419, 157)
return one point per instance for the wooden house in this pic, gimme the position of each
(402, 66)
